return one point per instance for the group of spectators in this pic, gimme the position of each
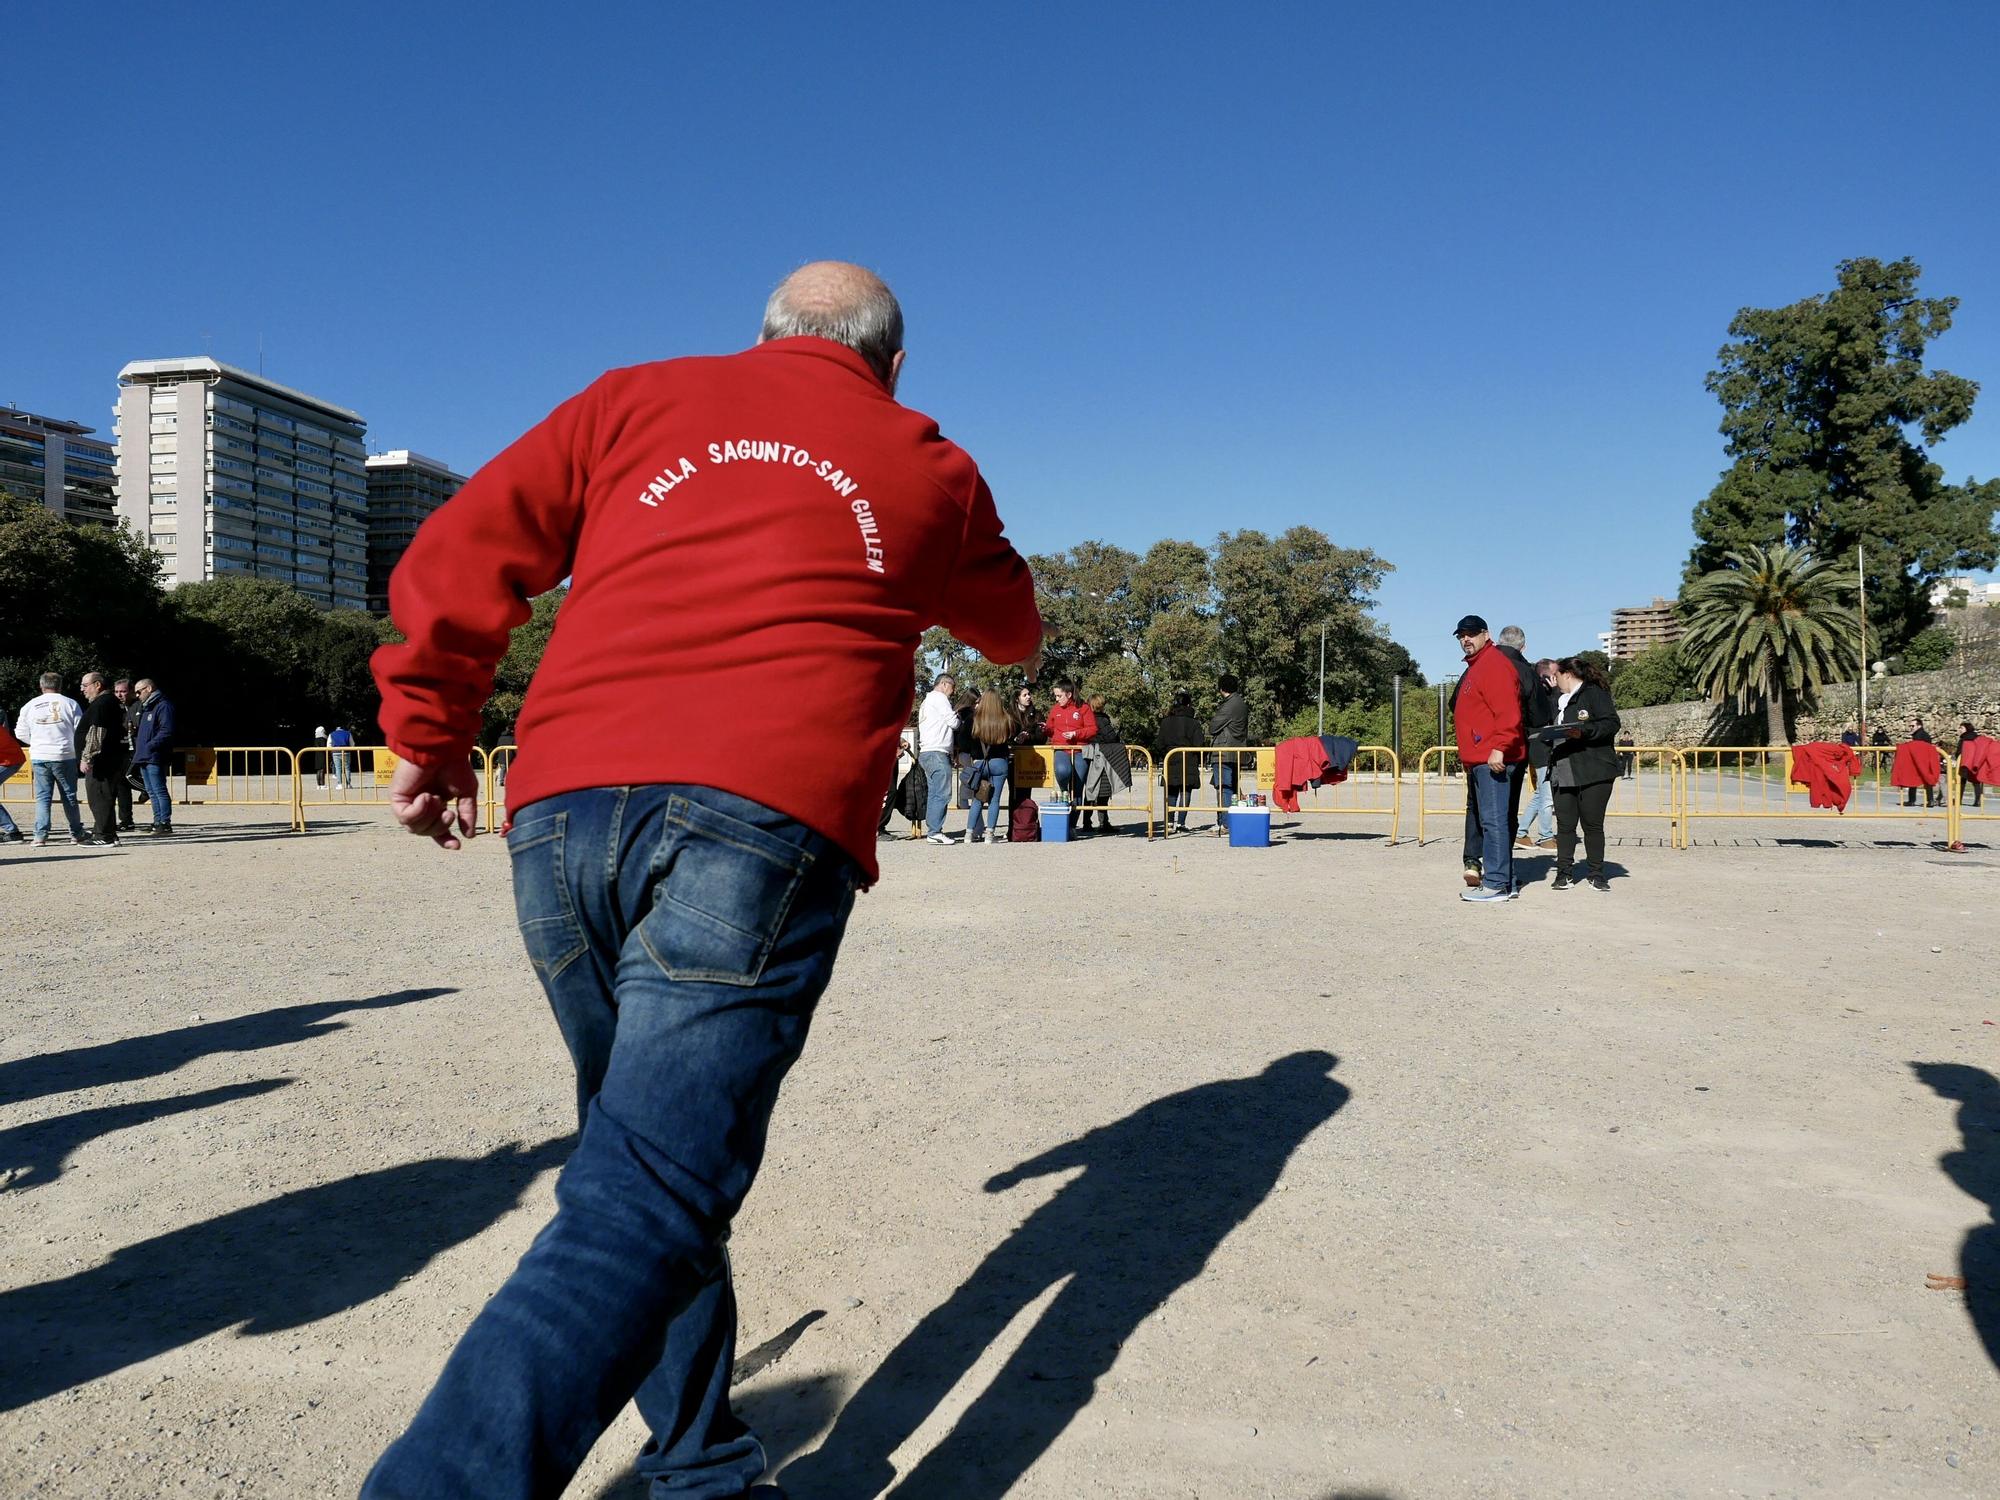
(968, 740)
(1969, 782)
(1551, 722)
(119, 739)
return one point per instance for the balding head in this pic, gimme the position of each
(849, 304)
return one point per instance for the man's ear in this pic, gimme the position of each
(895, 370)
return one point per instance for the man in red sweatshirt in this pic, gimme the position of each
(761, 538)
(1492, 744)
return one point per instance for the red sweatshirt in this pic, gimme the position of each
(755, 542)
(1072, 723)
(1488, 714)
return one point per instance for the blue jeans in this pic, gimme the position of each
(937, 788)
(683, 937)
(52, 777)
(6, 820)
(1070, 772)
(155, 778)
(1541, 805)
(1494, 792)
(985, 784)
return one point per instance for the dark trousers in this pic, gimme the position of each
(123, 791)
(1585, 803)
(100, 787)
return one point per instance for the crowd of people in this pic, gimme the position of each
(961, 753)
(117, 744)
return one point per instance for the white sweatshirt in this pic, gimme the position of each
(47, 726)
(937, 721)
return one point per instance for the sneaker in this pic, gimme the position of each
(1545, 843)
(41, 841)
(84, 838)
(160, 828)
(1563, 882)
(1598, 882)
(975, 838)
(1473, 872)
(940, 838)
(12, 836)
(1522, 841)
(128, 828)
(1486, 893)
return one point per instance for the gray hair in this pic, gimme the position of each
(90, 677)
(863, 314)
(51, 682)
(1513, 635)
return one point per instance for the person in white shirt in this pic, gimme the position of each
(937, 729)
(47, 727)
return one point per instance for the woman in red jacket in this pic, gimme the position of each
(12, 758)
(1071, 723)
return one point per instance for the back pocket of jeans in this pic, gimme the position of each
(542, 903)
(723, 899)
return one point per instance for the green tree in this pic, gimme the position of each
(73, 599)
(1273, 595)
(1771, 625)
(1823, 405)
(1928, 650)
(1660, 674)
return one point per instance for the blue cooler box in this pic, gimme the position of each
(1055, 822)
(1249, 828)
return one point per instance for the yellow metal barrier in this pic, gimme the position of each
(357, 776)
(1752, 782)
(1650, 785)
(1033, 767)
(243, 776)
(1957, 783)
(1373, 787)
(497, 760)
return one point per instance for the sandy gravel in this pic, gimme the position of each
(1607, 1195)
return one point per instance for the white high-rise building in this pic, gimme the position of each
(225, 471)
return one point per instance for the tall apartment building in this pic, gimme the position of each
(58, 464)
(1642, 628)
(403, 488)
(227, 472)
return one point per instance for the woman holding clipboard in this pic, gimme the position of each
(1583, 767)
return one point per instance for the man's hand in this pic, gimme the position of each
(1496, 762)
(439, 802)
(1031, 665)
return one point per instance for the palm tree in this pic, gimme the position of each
(1774, 624)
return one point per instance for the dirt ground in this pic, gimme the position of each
(1624, 1194)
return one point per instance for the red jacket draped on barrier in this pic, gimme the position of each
(1301, 763)
(1981, 760)
(1827, 772)
(1917, 764)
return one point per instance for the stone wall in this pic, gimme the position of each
(1941, 699)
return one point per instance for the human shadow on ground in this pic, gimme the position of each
(279, 1264)
(1159, 1190)
(34, 1154)
(1976, 1170)
(164, 1051)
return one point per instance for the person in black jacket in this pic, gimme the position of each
(1583, 767)
(1179, 730)
(1228, 725)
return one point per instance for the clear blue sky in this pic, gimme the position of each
(1443, 282)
